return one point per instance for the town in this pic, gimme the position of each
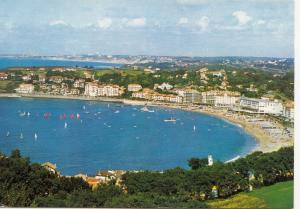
(215, 89)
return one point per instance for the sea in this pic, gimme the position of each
(88, 136)
(7, 62)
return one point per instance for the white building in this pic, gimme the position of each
(210, 160)
(288, 110)
(94, 89)
(3, 76)
(79, 83)
(134, 87)
(25, 88)
(263, 105)
(165, 86)
(221, 98)
(91, 89)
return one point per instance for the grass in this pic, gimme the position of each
(279, 195)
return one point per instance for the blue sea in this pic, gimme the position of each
(7, 62)
(114, 136)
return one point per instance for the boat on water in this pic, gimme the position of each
(28, 114)
(117, 111)
(170, 120)
(21, 136)
(22, 114)
(194, 128)
(66, 125)
(145, 109)
(7, 134)
(35, 136)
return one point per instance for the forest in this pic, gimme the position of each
(24, 184)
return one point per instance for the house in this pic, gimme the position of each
(134, 87)
(56, 79)
(263, 105)
(42, 78)
(165, 86)
(93, 182)
(79, 83)
(221, 98)
(148, 70)
(3, 76)
(26, 77)
(50, 167)
(288, 110)
(252, 88)
(25, 88)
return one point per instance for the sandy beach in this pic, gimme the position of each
(266, 142)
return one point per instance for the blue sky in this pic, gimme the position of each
(151, 27)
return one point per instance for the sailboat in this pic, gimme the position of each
(194, 128)
(28, 114)
(83, 107)
(35, 136)
(7, 134)
(21, 136)
(66, 125)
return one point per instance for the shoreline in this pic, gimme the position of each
(265, 143)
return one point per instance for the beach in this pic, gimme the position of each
(251, 124)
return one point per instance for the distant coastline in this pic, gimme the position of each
(265, 142)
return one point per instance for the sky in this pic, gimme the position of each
(148, 27)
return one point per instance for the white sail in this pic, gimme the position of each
(66, 125)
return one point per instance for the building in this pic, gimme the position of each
(134, 87)
(263, 105)
(91, 89)
(94, 89)
(42, 78)
(26, 77)
(221, 98)
(50, 167)
(110, 90)
(25, 88)
(189, 95)
(3, 76)
(165, 86)
(288, 110)
(79, 83)
(210, 160)
(56, 79)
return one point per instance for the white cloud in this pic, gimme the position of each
(136, 22)
(260, 22)
(104, 23)
(58, 22)
(183, 20)
(242, 17)
(192, 2)
(203, 23)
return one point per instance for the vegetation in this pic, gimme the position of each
(279, 195)
(25, 184)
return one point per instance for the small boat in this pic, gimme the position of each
(170, 119)
(194, 128)
(83, 107)
(117, 111)
(21, 136)
(22, 114)
(35, 136)
(78, 116)
(145, 109)
(28, 114)
(66, 125)
(7, 134)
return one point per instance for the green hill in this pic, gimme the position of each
(279, 195)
